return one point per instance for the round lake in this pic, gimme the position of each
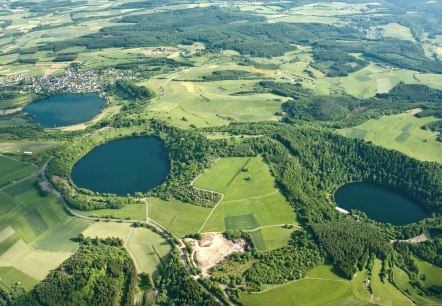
(64, 110)
(380, 203)
(123, 166)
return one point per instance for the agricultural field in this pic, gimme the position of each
(250, 201)
(335, 290)
(398, 31)
(12, 170)
(400, 132)
(177, 217)
(36, 234)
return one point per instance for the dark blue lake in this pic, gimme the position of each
(380, 203)
(66, 109)
(123, 166)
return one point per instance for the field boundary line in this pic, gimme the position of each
(238, 172)
(256, 197)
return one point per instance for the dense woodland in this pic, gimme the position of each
(331, 45)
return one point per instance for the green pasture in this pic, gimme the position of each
(400, 132)
(18, 147)
(109, 229)
(374, 79)
(385, 293)
(275, 237)
(433, 274)
(177, 217)
(11, 170)
(9, 276)
(398, 31)
(402, 281)
(221, 173)
(229, 178)
(302, 292)
(251, 213)
(212, 103)
(250, 197)
(149, 250)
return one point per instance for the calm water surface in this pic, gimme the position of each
(64, 110)
(123, 166)
(380, 203)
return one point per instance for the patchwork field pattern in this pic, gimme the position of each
(400, 132)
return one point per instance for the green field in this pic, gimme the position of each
(398, 31)
(36, 235)
(11, 170)
(433, 274)
(400, 132)
(149, 250)
(250, 197)
(275, 237)
(303, 292)
(6, 203)
(386, 293)
(177, 217)
(333, 289)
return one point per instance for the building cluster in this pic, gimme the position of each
(72, 80)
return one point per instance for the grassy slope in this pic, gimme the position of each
(400, 132)
(178, 217)
(256, 196)
(149, 249)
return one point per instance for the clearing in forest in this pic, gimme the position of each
(250, 201)
(400, 132)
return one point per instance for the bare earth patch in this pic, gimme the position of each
(212, 249)
(10, 111)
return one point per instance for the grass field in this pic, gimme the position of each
(433, 274)
(149, 249)
(36, 235)
(385, 293)
(400, 132)
(6, 203)
(402, 280)
(131, 211)
(177, 217)
(250, 197)
(9, 275)
(325, 286)
(303, 292)
(11, 170)
(275, 237)
(398, 31)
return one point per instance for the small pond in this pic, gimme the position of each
(123, 166)
(380, 203)
(65, 110)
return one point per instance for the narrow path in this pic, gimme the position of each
(295, 226)
(256, 197)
